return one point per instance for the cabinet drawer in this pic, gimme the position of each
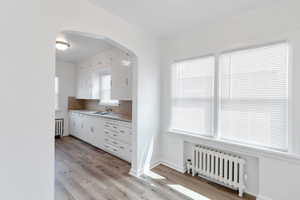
(106, 133)
(111, 126)
(117, 148)
(111, 149)
(112, 134)
(125, 135)
(116, 129)
(116, 123)
(125, 152)
(112, 142)
(125, 124)
(122, 135)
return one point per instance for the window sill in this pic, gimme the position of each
(239, 148)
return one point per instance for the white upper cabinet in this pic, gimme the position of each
(82, 83)
(88, 75)
(121, 77)
(95, 83)
(85, 83)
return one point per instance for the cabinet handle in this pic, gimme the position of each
(127, 81)
(114, 127)
(115, 150)
(121, 147)
(115, 135)
(92, 129)
(122, 131)
(115, 143)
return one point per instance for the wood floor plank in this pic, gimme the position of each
(83, 172)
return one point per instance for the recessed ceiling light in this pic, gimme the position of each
(61, 45)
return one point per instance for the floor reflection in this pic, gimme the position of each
(187, 187)
(187, 192)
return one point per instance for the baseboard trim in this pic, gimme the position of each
(261, 197)
(155, 164)
(136, 173)
(173, 166)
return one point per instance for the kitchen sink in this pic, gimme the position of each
(107, 114)
(102, 113)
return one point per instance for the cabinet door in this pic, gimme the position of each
(97, 132)
(84, 83)
(121, 77)
(87, 83)
(82, 127)
(95, 83)
(79, 127)
(89, 129)
(72, 123)
(80, 83)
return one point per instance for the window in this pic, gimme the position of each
(193, 95)
(56, 88)
(252, 96)
(105, 91)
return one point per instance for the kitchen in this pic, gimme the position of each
(94, 92)
(150, 100)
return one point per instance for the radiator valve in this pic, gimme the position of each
(189, 166)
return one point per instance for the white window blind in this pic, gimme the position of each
(253, 96)
(193, 96)
(105, 91)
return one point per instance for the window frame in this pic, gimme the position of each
(110, 102)
(213, 105)
(216, 136)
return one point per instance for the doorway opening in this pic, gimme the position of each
(93, 108)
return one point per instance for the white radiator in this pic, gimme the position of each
(219, 167)
(59, 127)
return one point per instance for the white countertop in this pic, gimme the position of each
(115, 116)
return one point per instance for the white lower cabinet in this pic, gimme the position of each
(74, 129)
(117, 137)
(112, 136)
(96, 131)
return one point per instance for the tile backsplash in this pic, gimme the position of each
(125, 107)
(75, 104)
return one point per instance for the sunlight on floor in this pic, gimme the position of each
(187, 192)
(153, 175)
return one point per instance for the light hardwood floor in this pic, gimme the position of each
(83, 172)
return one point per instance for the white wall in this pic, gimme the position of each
(27, 59)
(275, 23)
(66, 73)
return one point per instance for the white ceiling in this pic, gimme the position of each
(82, 47)
(166, 17)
